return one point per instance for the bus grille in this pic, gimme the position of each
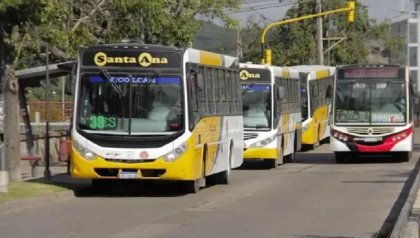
(248, 136)
(129, 161)
(370, 130)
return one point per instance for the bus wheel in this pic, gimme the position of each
(315, 145)
(224, 177)
(341, 157)
(193, 186)
(290, 158)
(271, 163)
(405, 156)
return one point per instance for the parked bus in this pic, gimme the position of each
(156, 112)
(271, 110)
(316, 95)
(373, 112)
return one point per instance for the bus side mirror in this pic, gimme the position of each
(69, 85)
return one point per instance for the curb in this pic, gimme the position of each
(25, 203)
(404, 222)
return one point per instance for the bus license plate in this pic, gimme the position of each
(370, 139)
(127, 175)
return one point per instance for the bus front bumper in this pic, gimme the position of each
(154, 170)
(260, 153)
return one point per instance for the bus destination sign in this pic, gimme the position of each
(251, 74)
(376, 73)
(131, 58)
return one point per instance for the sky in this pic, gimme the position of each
(272, 10)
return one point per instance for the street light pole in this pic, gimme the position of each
(47, 172)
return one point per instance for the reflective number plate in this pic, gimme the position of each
(370, 139)
(127, 175)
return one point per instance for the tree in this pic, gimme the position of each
(65, 25)
(295, 44)
(12, 15)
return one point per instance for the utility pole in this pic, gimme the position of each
(47, 172)
(4, 175)
(319, 45)
(266, 53)
(238, 43)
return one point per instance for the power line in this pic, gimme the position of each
(256, 11)
(274, 5)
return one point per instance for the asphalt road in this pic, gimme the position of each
(313, 197)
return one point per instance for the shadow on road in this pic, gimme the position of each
(329, 158)
(119, 188)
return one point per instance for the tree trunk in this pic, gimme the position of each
(11, 125)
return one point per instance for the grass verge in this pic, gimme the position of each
(28, 189)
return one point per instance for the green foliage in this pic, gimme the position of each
(295, 43)
(65, 25)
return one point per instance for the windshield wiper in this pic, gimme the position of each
(115, 86)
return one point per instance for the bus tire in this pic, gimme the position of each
(271, 163)
(274, 163)
(193, 186)
(225, 176)
(405, 156)
(317, 143)
(341, 157)
(290, 158)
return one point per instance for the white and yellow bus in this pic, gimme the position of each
(156, 112)
(271, 110)
(317, 83)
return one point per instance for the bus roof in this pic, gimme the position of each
(278, 71)
(370, 66)
(315, 71)
(131, 46)
(310, 68)
(192, 55)
(210, 58)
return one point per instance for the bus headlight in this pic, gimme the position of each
(305, 127)
(87, 154)
(176, 153)
(264, 142)
(341, 136)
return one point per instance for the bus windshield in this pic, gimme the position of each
(371, 103)
(130, 104)
(256, 99)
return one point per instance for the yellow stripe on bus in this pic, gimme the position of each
(320, 74)
(260, 153)
(316, 127)
(285, 73)
(210, 58)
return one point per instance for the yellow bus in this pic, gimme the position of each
(271, 110)
(317, 83)
(158, 113)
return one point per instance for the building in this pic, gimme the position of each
(409, 27)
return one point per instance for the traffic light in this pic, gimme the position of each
(352, 6)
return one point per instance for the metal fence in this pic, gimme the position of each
(58, 111)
